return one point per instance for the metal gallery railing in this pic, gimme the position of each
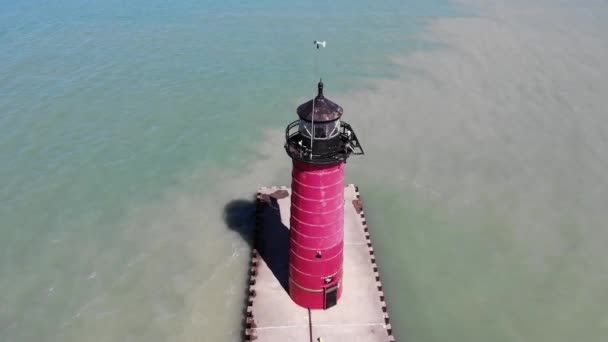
(349, 145)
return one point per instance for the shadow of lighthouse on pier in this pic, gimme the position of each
(271, 240)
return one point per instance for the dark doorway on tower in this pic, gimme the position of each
(331, 296)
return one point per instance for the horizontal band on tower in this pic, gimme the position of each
(318, 173)
(315, 275)
(317, 237)
(314, 199)
(316, 225)
(316, 249)
(341, 206)
(304, 288)
(341, 181)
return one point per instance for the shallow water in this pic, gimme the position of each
(125, 130)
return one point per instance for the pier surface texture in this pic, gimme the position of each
(360, 315)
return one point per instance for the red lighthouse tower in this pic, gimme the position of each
(319, 144)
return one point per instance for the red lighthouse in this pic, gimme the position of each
(319, 144)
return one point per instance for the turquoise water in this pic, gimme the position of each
(126, 128)
(110, 111)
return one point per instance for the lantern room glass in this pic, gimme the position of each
(322, 130)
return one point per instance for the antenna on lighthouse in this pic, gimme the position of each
(318, 44)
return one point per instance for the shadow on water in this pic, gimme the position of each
(272, 238)
(239, 215)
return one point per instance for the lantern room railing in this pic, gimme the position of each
(299, 150)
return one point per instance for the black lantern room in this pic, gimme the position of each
(319, 136)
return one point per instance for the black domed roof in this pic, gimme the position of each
(324, 109)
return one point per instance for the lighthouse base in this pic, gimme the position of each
(360, 315)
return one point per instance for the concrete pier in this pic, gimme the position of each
(360, 315)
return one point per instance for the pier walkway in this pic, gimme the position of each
(360, 315)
